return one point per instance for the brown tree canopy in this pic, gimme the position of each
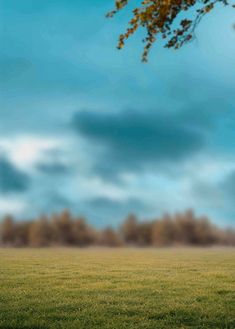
(159, 18)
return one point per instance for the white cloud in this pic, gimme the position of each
(12, 206)
(26, 150)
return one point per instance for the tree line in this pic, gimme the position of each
(64, 229)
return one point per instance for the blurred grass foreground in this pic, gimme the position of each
(117, 288)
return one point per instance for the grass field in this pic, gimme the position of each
(117, 288)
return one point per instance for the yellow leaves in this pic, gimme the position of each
(208, 8)
(121, 41)
(158, 17)
(120, 4)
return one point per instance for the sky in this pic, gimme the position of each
(86, 127)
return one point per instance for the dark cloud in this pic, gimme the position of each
(55, 168)
(11, 178)
(218, 191)
(56, 202)
(108, 209)
(133, 141)
(53, 162)
(217, 197)
(131, 203)
(48, 202)
(228, 186)
(11, 67)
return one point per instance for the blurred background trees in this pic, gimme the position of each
(65, 230)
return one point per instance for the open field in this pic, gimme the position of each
(117, 288)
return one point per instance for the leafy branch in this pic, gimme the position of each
(158, 17)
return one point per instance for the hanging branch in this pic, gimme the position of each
(158, 18)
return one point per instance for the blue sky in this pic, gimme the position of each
(90, 128)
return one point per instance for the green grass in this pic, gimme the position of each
(120, 288)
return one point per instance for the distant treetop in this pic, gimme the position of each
(158, 17)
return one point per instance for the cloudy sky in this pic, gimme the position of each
(86, 127)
